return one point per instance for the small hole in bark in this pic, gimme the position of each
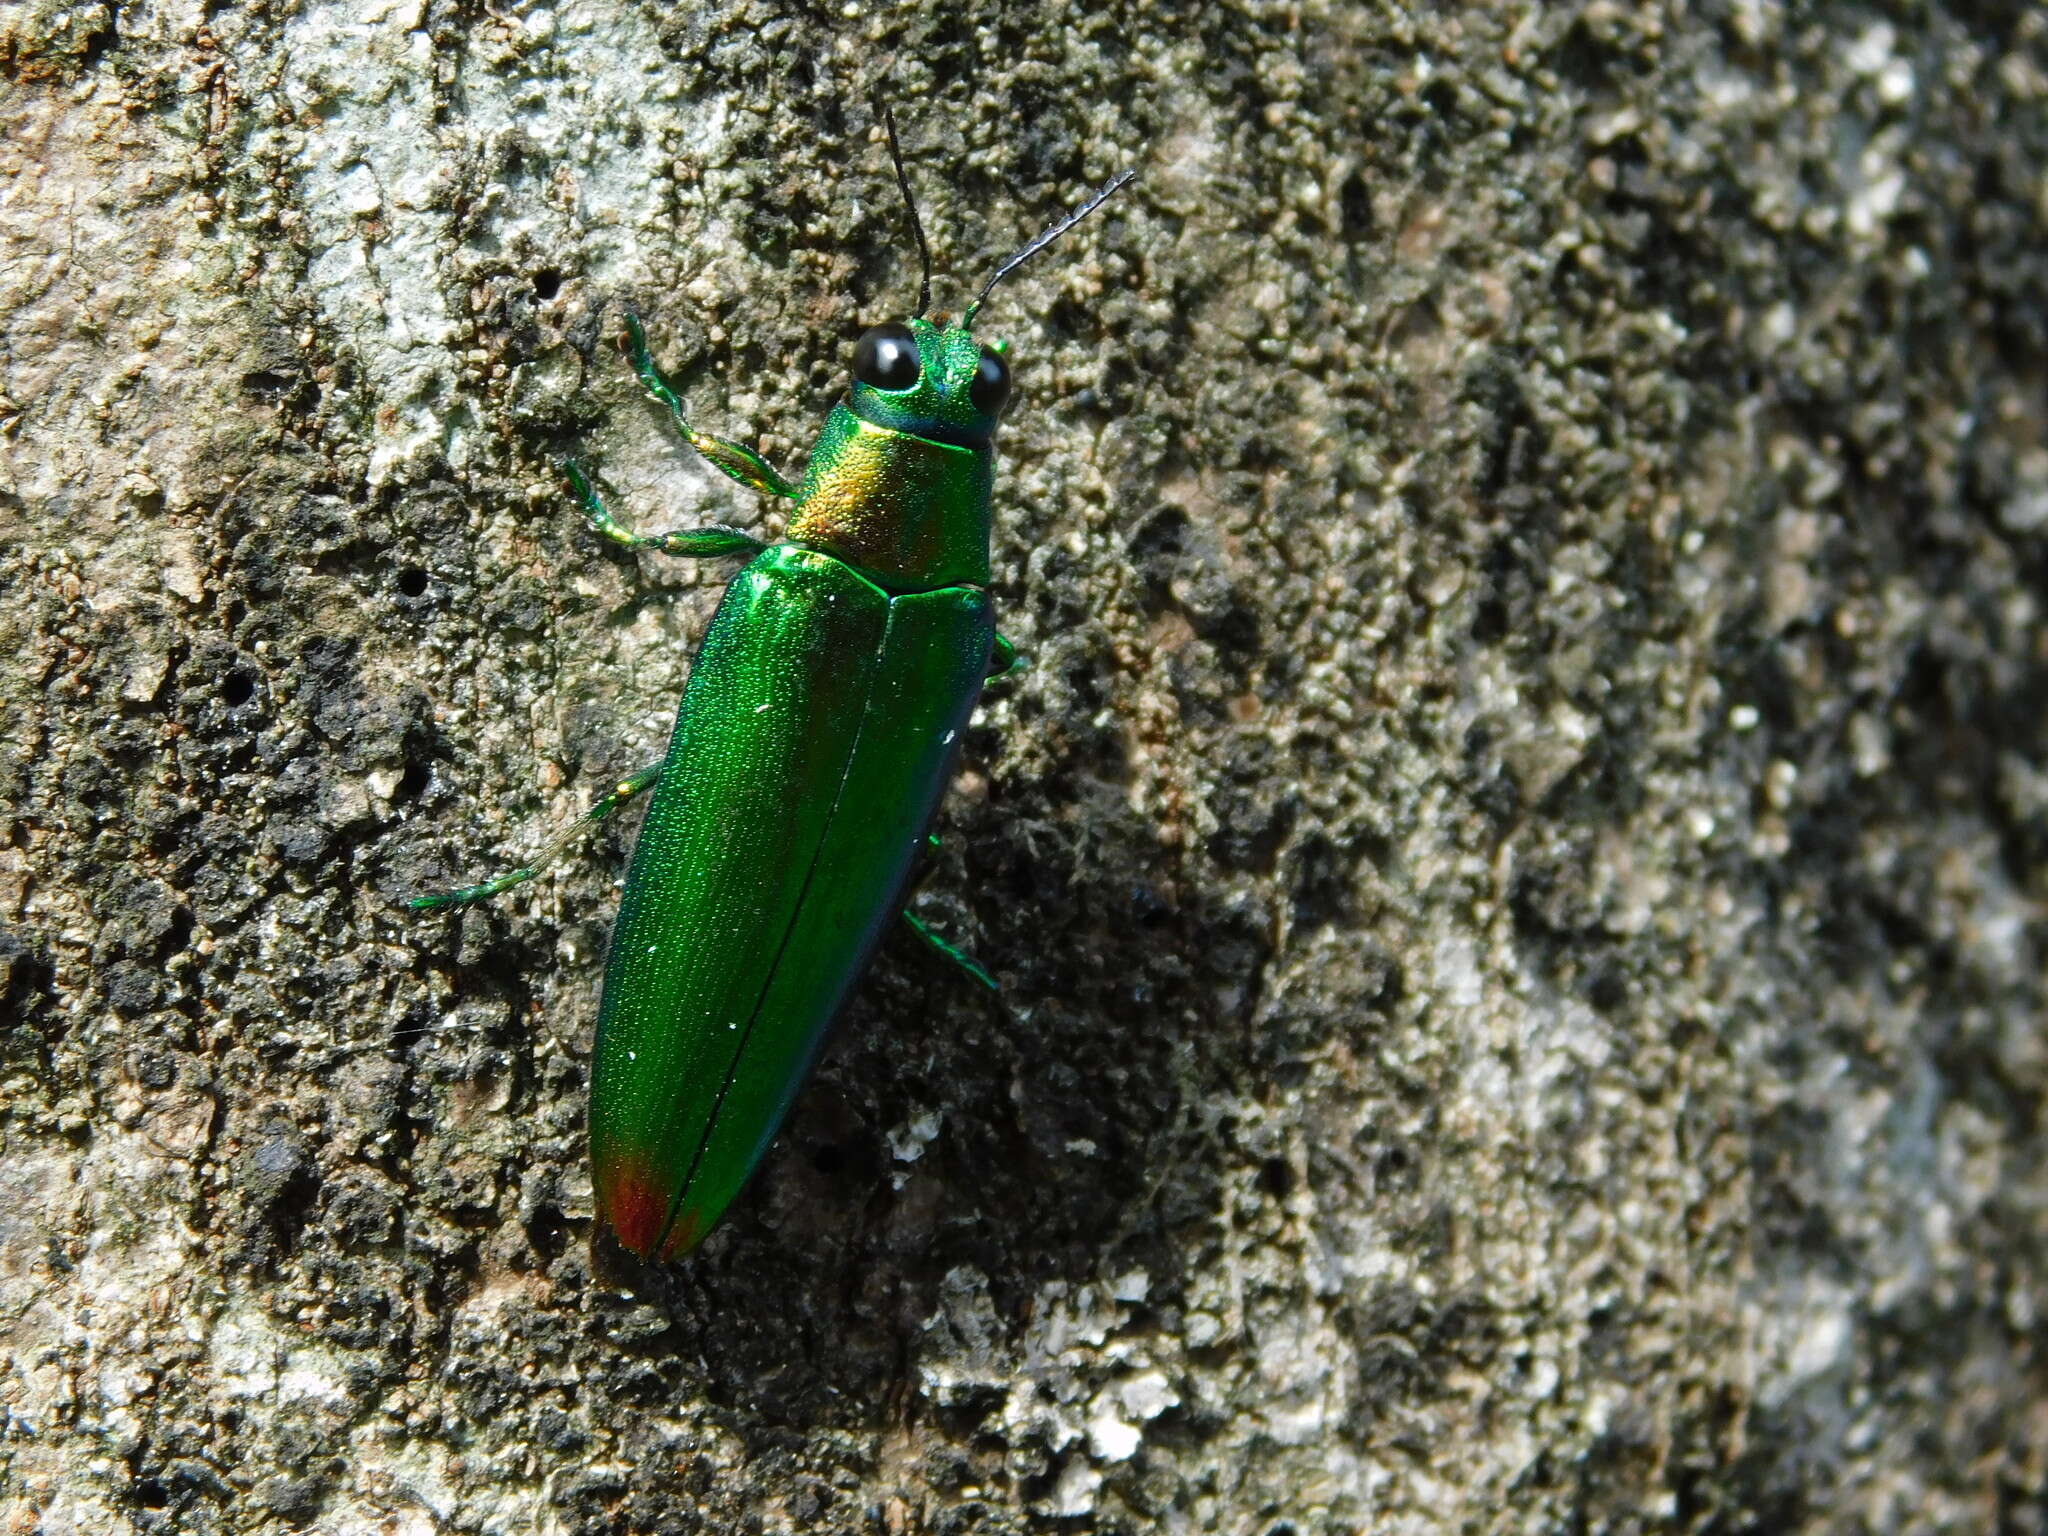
(410, 783)
(1276, 1178)
(237, 689)
(546, 284)
(412, 581)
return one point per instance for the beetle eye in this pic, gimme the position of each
(887, 358)
(991, 386)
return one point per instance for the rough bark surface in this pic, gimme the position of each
(1516, 866)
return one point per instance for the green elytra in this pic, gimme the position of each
(816, 734)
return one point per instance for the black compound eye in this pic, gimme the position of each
(887, 358)
(991, 386)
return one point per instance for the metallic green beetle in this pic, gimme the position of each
(816, 735)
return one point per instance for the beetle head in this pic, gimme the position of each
(932, 379)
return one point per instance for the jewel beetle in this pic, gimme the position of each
(816, 734)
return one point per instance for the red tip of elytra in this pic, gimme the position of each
(633, 1205)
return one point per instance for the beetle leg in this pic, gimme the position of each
(697, 543)
(742, 464)
(621, 792)
(1004, 661)
(952, 952)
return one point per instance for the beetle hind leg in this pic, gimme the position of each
(468, 895)
(952, 952)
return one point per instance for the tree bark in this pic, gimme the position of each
(1516, 864)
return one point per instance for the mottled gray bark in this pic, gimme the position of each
(1516, 865)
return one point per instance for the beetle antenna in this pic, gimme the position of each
(1052, 232)
(924, 252)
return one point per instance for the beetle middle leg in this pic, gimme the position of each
(1003, 660)
(620, 793)
(705, 543)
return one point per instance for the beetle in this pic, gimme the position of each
(817, 732)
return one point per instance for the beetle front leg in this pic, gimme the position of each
(697, 543)
(621, 792)
(742, 464)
